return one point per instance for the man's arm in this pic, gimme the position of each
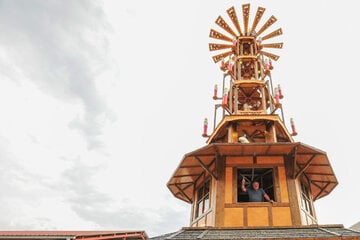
(268, 198)
(243, 188)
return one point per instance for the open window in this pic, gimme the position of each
(265, 176)
(203, 198)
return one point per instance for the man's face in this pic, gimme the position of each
(255, 185)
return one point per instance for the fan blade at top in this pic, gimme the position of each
(221, 22)
(272, 45)
(246, 13)
(260, 11)
(221, 56)
(269, 22)
(217, 46)
(270, 55)
(232, 14)
(215, 34)
(275, 33)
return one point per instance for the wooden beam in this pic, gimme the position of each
(321, 191)
(306, 166)
(323, 181)
(205, 167)
(183, 193)
(294, 153)
(185, 175)
(318, 173)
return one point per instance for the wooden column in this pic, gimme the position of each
(220, 192)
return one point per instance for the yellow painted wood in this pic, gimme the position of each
(210, 219)
(228, 185)
(234, 217)
(281, 216)
(258, 216)
(283, 185)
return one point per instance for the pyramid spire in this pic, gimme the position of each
(250, 141)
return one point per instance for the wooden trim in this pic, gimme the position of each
(306, 166)
(205, 167)
(183, 193)
(235, 186)
(220, 192)
(255, 204)
(321, 191)
(270, 215)
(277, 193)
(255, 166)
(292, 192)
(245, 216)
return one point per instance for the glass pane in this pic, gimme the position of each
(206, 203)
(200, 193)
(199, 208)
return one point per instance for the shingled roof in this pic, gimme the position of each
(323, 232)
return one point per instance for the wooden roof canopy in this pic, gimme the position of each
(311, 162)
(221, 129)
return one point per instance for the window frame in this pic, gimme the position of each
(252, 173)
(202, 204)
(307, 204)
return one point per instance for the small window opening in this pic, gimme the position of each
(263, 175)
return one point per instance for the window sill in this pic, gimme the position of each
(256, 204)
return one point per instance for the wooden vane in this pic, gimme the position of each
(244, 31)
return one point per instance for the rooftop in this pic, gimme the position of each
(305, 232)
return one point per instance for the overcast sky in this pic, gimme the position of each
(100, 100)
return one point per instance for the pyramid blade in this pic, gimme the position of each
(270, 55)
(272, 45)
(221, 56)
(246, 13)
(232, 14)
(269, 22)
(215, 34)
(221, 22)
(260, 11)
(275, 33)
(217, 46)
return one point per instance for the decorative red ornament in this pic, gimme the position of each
(294, 133)
(270, 65)
(215, 91)
(223, 67)
(205, 128)
(281, 96)
(230, 67)
(234, 41)
(225, 98)
(277, 101)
